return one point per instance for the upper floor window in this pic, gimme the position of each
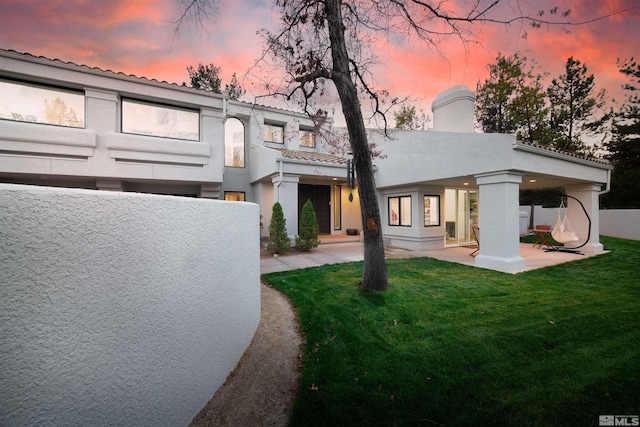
(234, 143)
(307, 138)
(273, 133)
(144, 118)
(25, 102)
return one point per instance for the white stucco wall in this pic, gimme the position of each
(120, 308)
(622, 223)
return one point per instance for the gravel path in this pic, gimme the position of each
(260, 391)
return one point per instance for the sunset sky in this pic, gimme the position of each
(137, 37)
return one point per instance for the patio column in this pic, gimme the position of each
(285, 191)
(588, 195)
(499, 221)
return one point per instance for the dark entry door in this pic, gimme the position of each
(320, 196)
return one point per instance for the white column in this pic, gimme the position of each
(285, 188)
(499, 221)
(588, 195)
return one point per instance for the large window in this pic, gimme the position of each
(400, 211)
(143, 118)
(24, 102)
(307, 138)
(273, 133)
(234, 143)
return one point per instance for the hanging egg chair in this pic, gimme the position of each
(562, 231)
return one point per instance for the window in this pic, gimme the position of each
(234, 196)
(400, 211)
(24, 102)
(273, 133)
(143, 118)
(234, 143)
(337, 207)
(431, 211)
(307, 138)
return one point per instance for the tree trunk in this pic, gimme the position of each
(375, 269)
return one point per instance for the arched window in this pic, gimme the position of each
(234, 143)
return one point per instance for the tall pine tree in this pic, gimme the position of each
(624, 147)
(512, 100)
(574, 110)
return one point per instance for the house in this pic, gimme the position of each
(63, 124)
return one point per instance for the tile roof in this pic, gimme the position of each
(311, 156)
(69, 64)
(121, 75)
(565, 153)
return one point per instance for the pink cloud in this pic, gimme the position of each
(137, 38)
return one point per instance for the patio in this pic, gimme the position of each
(334, 250)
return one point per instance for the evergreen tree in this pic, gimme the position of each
(278, 241)
(207, 77)
(512, 100)
(408, 118)
(574, 106)
(309, 229)
(493, 98)
(624, 147)
(233, 88)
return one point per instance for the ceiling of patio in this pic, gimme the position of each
(529, 181)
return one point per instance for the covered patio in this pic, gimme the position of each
(336, 250)
(533, 256)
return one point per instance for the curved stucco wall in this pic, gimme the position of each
(120, 308)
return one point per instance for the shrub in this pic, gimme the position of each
(278, 241)
(309, 229)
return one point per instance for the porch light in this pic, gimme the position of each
(532, 180)
(465, 183)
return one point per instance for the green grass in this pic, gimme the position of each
(449, 344)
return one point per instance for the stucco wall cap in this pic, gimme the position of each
(459, 92)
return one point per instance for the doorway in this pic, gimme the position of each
(461, 214)
(320, 196)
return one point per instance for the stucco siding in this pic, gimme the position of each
(120, 308)
(622, 223)
(422, 156)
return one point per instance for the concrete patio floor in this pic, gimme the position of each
(343, 250)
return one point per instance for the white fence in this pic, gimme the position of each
(622, 223)
(121, 308)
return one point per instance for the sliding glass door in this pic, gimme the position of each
(461, 214)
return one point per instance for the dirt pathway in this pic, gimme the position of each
(260, 391)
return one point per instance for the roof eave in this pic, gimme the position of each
(601, 164)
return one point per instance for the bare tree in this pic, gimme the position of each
(324, 41)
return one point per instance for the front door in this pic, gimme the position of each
(320, 196)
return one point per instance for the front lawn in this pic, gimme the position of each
(450, 344)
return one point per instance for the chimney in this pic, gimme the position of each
(453, 110)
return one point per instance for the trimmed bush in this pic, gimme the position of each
(309, 229)
(278, 241)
